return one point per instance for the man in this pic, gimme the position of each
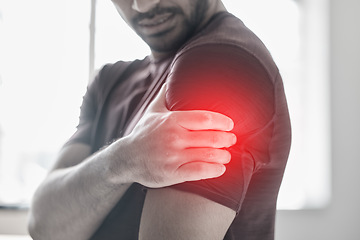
(135, 170)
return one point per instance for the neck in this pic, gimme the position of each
(159, 56)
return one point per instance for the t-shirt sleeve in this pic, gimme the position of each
(87, 116)
(231, 81)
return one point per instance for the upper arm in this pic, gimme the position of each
(232, 82)
(173, 214)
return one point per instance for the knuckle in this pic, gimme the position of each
(172, 139)
(215, 139)
(199, 167)
(207, 118)
(210, 155)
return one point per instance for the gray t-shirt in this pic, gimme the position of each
(223, 68)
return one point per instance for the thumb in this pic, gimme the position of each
(158, 104)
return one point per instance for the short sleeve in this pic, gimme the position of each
(88, 111)
(231, 81)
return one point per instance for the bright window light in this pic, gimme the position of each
(44, 72)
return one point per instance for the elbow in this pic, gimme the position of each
(40, 222)
(32, 227)
(34, 220)
(35, 228)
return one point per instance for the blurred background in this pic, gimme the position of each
(50, 50)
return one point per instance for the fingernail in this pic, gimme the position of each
(231, 125)
(234, 139)
(223, 169)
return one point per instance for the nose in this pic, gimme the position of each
(144, 5)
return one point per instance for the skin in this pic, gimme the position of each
(183, 18)
(149, 156)
(159, 152)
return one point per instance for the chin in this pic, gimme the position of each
(168, 43)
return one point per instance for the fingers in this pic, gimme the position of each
(209, 139)
(203, 120)
(203, 163)
(195, 171)
(208, 155)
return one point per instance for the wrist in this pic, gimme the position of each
(119, 168)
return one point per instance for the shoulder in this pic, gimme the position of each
(227, 31)
(112, 73)
(222, 78)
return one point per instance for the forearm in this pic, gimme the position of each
(72, 202)
(164, 148)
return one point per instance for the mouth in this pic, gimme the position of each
(156, 20)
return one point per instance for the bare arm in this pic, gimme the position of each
(70, 202)
(173, 214)
(81, 189)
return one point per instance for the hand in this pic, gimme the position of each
(170, 147)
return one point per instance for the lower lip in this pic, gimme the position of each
(158, 28)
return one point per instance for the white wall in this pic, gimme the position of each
(13, 222)
(341, 220)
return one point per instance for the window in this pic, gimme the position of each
(44, 78)
(44, 71)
